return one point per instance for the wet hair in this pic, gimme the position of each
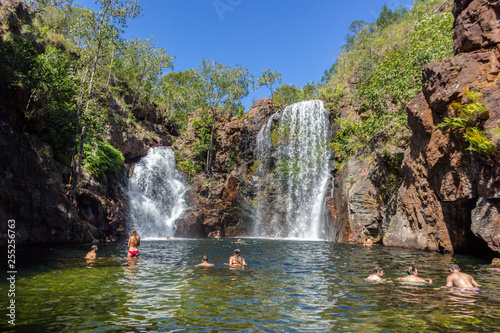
(454, 267)
(237, 251)
(377, 269)
(411, 270)
(204, 258)
(496, 262)
(94, 246)
(133, 232)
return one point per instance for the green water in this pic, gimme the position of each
(291, 286)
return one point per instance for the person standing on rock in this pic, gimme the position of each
(459, 279)
(133, 244)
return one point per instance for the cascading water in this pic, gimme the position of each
(156, 193)
(293, 173)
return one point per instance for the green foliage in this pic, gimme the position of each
(467, 116)
(202, 145)
(355, 135)
(188, 167)
(100, 158)
(287, 170)
(385, 60)
(270, 79)
(280, 132)
(396, 78)
(141, 63)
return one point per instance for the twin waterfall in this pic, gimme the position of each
(294, 163)
(290, 177)
(156, 193)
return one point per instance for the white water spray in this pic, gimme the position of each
(156, 193)
(294, 172)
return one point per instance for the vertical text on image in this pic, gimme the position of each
(11, 273)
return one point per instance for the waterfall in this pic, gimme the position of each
(156, 193)
(293, 162)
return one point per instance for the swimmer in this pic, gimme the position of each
(368, 242)
(496, 265)
(93, 253)
(204, 262)
(236, 260)
(133, 243)
(376, 277)
(412, 277)
(459, 279)
(239, 241)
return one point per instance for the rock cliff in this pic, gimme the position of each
(449, 200)
(34, 182)
(220, 203)
(449, 197)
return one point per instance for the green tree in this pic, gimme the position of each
(93, 31)
(270, 79)
(142, 64)
(219, 91)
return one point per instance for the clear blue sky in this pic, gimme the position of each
(298, 38)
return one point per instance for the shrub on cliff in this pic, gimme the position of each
(379, 72)
(100, 158)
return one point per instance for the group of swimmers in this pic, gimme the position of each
(234, 261)
(455, 279)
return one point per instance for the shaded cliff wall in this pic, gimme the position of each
(33, 184)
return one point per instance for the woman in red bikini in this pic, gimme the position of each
(133, 243)
(236, 260)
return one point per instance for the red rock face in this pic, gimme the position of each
(219, 205)
(450, 198)
(476, 25)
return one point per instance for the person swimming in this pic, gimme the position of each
(376, 277)
(93, 253)
(412, 277)
(367, 242)
(496, 265)
(459, 279)
(133, 244)
(204, 262)
(236, 260)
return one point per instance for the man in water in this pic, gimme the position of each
(459, 279)
(204, 262)
(236, 260)
(368, 242)
(496, 265)
(93, 253)
(376, 277)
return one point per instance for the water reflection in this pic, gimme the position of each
(287, 285)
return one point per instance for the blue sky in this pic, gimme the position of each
(298, 38)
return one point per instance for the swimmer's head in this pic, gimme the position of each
(454, 267)
(133, 232)
(237, 252)
(377, 269)
(204, 258)
(496, 262)
(412, 270)
(94, 247)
